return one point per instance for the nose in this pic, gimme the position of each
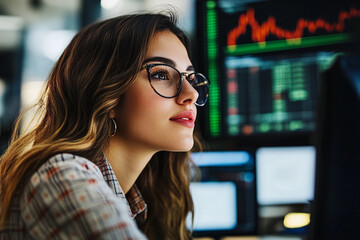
(188, 94)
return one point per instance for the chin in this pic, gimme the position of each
(183, 146)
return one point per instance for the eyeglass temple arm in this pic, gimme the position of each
(201, 84)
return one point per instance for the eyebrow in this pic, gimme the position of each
(166, 61)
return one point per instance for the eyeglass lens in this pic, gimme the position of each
(166, 81)
(201, 84)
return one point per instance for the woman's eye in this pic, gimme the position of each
(160, 76)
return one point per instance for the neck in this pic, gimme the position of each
(127, 161)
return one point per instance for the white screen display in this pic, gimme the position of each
(229, 158)
(215, 206)
(285, 175)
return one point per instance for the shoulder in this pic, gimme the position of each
(63, 167)
(62, 173)
(64, 161)
(66, 195)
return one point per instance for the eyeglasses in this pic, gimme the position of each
(167, 81)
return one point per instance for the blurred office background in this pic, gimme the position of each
(33, 34)
(265, 60)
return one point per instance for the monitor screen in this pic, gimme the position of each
(264, 59)
(222, 204)
(224, 198)
(285, 175)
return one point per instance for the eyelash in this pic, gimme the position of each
(160, 71)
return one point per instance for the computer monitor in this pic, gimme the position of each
(264, 59)
(215, 205)
(336, 210)
(225, 197)
(285, 175)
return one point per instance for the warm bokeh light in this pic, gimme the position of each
(30, 92)
(296, 220)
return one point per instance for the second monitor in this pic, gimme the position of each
(224, 198)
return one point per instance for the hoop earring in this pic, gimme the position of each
(115, 128)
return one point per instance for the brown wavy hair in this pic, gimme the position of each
(98, 66)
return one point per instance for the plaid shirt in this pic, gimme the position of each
(69, 197)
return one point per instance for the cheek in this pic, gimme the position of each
(144, 117)
(144, 105)
(141, 108)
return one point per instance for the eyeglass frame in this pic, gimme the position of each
(148, 67)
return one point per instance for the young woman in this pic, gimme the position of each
(111, 146)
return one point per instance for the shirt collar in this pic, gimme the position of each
(136, 203)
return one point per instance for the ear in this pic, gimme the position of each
(112, 113)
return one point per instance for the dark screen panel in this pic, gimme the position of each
(335, 211)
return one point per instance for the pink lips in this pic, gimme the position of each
(186, 118)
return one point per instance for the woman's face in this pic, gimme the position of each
(149, 121)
